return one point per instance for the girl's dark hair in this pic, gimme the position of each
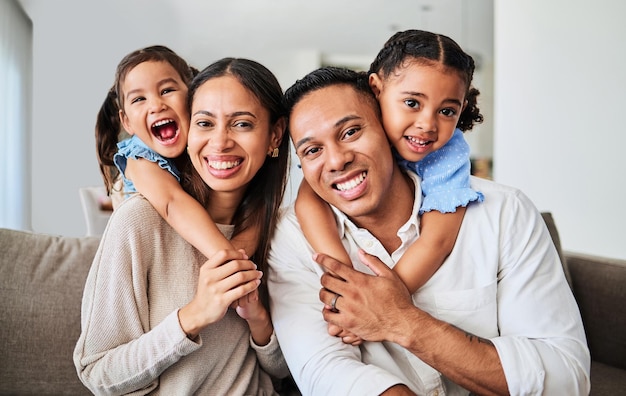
(431, 48)
(264, 195)
(108, 126)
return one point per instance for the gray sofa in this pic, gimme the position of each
(42, 278)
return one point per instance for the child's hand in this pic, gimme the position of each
(249, 307)
(346, 336)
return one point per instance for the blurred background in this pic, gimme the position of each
(550, 76)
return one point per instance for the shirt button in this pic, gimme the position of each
(436, 393)
(368, 244)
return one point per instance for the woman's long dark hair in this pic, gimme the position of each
(264, 195)
(108, 126)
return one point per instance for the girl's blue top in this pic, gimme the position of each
(134, 148)
(445, 176)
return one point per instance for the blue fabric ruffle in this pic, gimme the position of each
(445, 176)
(134, 148)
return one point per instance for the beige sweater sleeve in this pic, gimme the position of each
(118, 351)
(131, 340)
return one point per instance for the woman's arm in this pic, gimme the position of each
(178, 208)
(119, 349)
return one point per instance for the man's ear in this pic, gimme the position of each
(376, 84)
(124, 122)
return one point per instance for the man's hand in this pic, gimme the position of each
(370, 306)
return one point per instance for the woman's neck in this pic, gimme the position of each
(223, 205)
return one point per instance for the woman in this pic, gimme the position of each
(155, 314)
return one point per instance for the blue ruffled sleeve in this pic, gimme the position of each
(134, 148)
(445, 176)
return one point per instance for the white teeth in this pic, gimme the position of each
(414, 140)
(351, 183)
(221, 165)
(162, 122)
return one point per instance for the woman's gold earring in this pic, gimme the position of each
(275, 153)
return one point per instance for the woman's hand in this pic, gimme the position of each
(225, 278)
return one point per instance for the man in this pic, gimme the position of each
(498, 317)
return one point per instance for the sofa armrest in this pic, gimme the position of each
(599, 286)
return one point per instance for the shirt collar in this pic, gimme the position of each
(344, 222)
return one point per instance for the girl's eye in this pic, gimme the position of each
(167, 90)
(137, 99)
(448, 112)
(411, 103)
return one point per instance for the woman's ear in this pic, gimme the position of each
(376, 84)
(124, 122)
(278, 131)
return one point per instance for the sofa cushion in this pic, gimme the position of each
(599, 287)
(607, 380)
(41, 283)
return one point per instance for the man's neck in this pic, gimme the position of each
(393, 212)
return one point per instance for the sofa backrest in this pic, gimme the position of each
(41, 284)
(556, 239)
(599, 286)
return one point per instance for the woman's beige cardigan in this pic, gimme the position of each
(131, 340)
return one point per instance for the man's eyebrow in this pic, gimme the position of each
(339, 123)
(302, 141)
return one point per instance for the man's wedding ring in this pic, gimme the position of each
(333, 302)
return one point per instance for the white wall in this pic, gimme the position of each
(559, 94)
(74, 66)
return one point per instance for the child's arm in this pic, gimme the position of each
(178, 208)
(248, 240)
(318, 224)
(319, 227)
(424, 257)
(447, 192)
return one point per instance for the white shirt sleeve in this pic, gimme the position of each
(542, 345)
(319, 363)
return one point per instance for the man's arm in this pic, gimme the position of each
(464, 358)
